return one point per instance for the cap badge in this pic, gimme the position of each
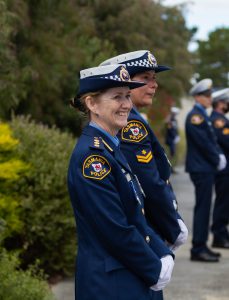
(124, 75)
(152, 59)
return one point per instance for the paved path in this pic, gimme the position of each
(191, 280)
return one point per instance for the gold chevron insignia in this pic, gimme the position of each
(146, 157)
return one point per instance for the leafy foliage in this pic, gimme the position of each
(50, 41)
(213, 56)
(20, 285)
(49, 227)
(11, 168)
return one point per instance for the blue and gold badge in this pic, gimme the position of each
(96, 167)
(134, 131)
(144, 156)
(152, 59)
(197, 119)
(124, 75)
(219, 123)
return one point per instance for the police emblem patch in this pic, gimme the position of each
(96, 167)
(197, 119)
(226, 131)
(124, 75)
(219, 123)
(144, 156)
(134, 131)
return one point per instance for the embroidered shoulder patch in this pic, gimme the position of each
(144, 156)
(197, 119)
(219, 123)
(134, 131)
(96, 167)
(226, 131)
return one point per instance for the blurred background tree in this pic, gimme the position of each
(213, 57)
(45, 44)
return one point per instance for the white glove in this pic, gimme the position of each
(177, 139)
(222, 162)
(182, 237)
(167, 264)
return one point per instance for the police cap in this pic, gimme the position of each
(105, 77)
(202, 87)
(221, 95)
(137, 62)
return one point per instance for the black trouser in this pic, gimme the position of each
(221, 207)
(203, 183)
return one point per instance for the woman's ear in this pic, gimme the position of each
(91, 104)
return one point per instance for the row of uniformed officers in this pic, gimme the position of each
(207, 162)
(125, 208)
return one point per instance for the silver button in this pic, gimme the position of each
(147, 239)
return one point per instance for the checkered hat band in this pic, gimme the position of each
(113, 77)
(141, 63)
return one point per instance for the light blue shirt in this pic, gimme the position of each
(114, 139)
(202, 108)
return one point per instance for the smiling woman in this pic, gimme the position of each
(116, 258)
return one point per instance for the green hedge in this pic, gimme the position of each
(48, 223)
(19, 285)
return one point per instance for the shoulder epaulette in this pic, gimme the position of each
(96, 143)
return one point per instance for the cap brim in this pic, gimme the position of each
(98, 84)
(133, 70)
(162, 68)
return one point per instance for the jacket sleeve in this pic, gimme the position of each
(198, 135)
(100, 202)
(223, 137)
(159, 207)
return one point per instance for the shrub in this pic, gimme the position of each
(49, 228)
(16, 284)
(11, 168)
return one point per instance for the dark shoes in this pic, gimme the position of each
(222, 243)
(205, 256)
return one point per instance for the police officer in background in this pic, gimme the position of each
(204, 158)
(221, 207)
(119, 255)
(172, 135)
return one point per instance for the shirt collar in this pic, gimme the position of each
(114, 139)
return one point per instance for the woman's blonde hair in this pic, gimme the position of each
(79, 102)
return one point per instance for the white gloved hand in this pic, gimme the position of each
(182, 237)
(222, 162)
(167, 264)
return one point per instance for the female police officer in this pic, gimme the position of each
(119, 256)
(144, 153)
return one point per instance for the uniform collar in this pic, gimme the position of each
(114, 139)
(201, 107)
(136, 112)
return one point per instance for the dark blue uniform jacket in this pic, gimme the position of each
(171, 132)
(118, 253)
(202, 148)
(147, 159)
(221, 127)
